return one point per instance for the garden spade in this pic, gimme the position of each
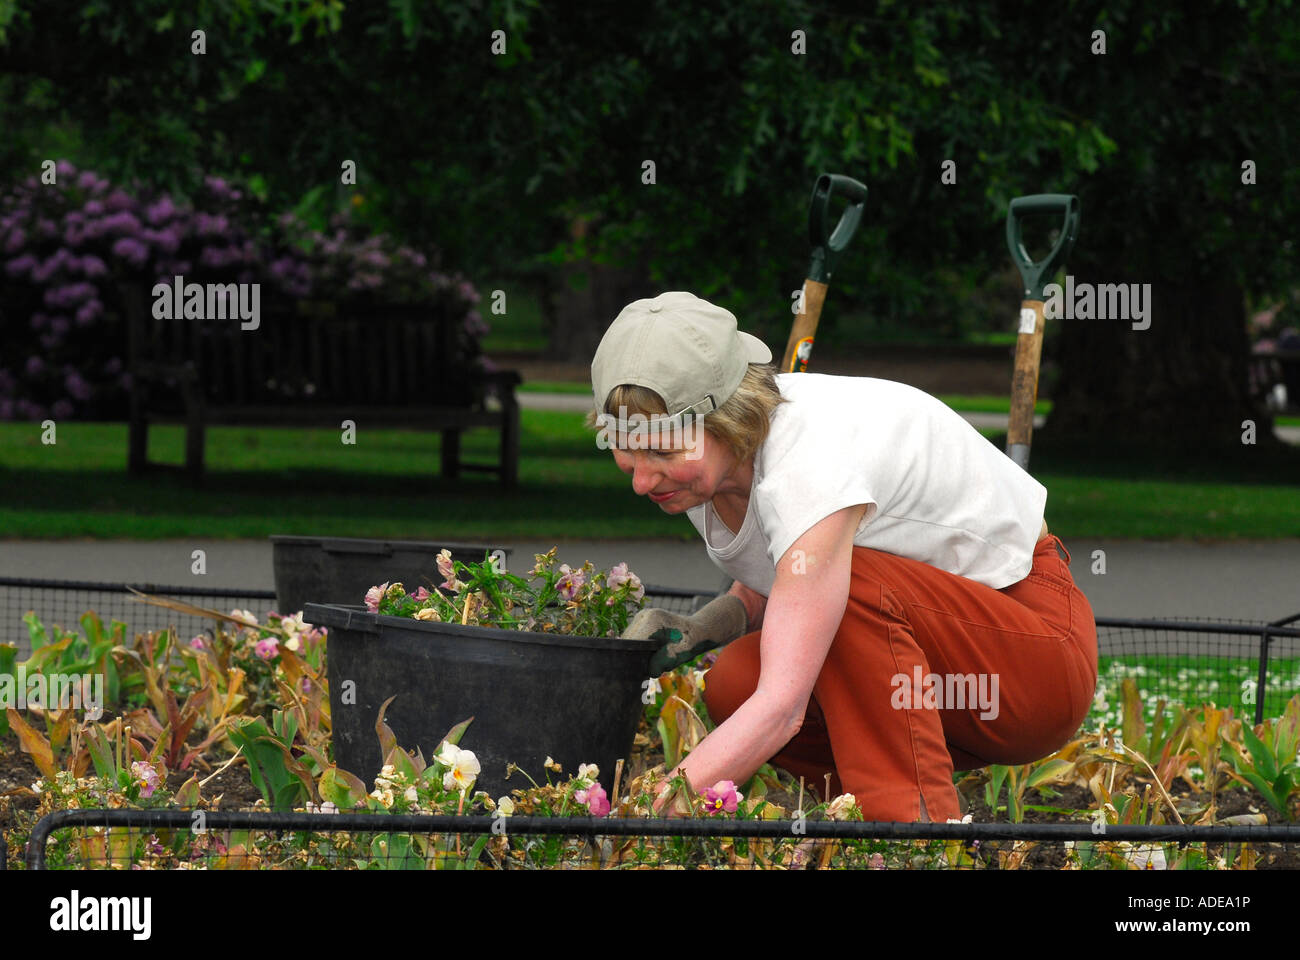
(1029, 344)
(827, 247)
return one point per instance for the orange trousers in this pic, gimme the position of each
(887, 719)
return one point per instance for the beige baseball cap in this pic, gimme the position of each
(685, 349)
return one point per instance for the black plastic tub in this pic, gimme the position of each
(532, 695)
(342, 569)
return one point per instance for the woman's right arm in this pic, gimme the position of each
(755, 604)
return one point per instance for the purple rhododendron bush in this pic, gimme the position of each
(67, 246)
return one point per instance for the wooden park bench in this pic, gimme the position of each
(1267, 370)
(313, 365)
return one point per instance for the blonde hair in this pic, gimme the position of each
(742, 423)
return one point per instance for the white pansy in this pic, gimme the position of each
(841, 806)
(464, 767)
(588, 771)
(505, 807)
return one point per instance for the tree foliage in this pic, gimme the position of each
(533, 158)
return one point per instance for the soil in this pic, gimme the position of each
(231, 789)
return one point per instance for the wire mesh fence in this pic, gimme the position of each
(1252, 666)
(208, 840)
(63, 602)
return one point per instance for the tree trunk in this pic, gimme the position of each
(581, 301)
(1178, 385)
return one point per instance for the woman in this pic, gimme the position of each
(899, 609)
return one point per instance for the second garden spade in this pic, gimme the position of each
(1029, 345)
(827, 247)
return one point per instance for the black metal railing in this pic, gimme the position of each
(219, 839)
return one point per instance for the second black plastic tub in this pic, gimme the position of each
(342, 569)
(532, 695)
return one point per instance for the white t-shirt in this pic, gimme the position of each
(937, 491)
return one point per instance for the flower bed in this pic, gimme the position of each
(238, 716)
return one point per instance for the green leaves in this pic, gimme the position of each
(343, 789)
(281, 778)
(1270, 763)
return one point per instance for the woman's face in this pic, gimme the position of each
(674, 480)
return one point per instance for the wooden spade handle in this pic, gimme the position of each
(804, 328)
(1024, 382)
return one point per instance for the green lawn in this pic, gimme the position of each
(554, 386)
(271, 480)
(962, 403)
(1191, 681)
(522, 328)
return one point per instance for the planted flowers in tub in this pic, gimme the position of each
(552, 600)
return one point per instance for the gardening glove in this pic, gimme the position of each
(716, 624)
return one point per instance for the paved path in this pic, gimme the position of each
(581, 403)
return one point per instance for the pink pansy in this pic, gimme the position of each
(146, 776)
(595, 798)
(722, 796)
(199, 643)
(618, 575)
(374, 595)
(571, 582)
(420, 595)
(447, 568)
(266, 648)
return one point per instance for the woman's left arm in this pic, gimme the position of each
(803, 614)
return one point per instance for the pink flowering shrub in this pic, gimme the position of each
(65, 247)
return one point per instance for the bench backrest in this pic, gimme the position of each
(313, 354)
